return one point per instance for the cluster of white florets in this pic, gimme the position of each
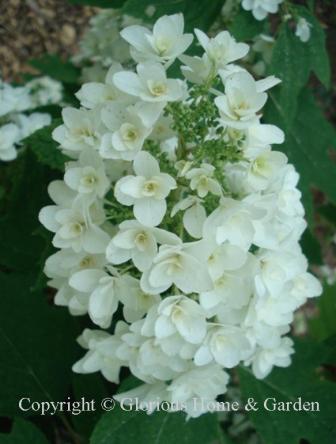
(102, 42)
(17, 121)
(176, 209)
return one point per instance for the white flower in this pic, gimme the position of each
(65, 262)
(131, 341)
(101, 355)
(153, 361)
(87, 176)
(9, 135)
(127, 132)
(147, 190)
(45, 91)
(162, 129)
(232, 272)
(201, 180)
(178, 314)
(261, 8)
(264, 359)
(66, 296)
(265, 168)
(137, 303)
(276, 269)
(81, 129)
(163, 44)
(305, 286)
(105, 291)
(92, 94)
(13, 99)
(137, 242)
(197, 69)
(197, 388)
(102, 43)
(239, 106)
(177, 265)
(222, 49)
(194, 216)
(75, 225)
(233, 222)
(264, 44)
(60, 266)
(29, 124)
(227, 345)
(150, 84)
(302, 30)
(261, 136)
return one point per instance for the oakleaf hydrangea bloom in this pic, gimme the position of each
(177, 224)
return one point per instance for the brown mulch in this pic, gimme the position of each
(31, 28)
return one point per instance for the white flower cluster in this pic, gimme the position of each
(102, 42)
(199, 248)
(261, 8)
(16, 103)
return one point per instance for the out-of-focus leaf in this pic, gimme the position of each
(51, 65)
(23, 432)
(316, 45)
(36, 340)
(293, 61)
(244, 26)
(311, 248)
(328, 212)
(301, 379)
(45, 148)
(324, 325)
(21, 244)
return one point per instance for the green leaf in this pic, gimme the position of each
(307, 144)
(318, 54)
(245, 26)
(21, 244)
(23, 432)
(36, 343)
(45, 148)
(89, 387)
(301, 379)
(324, 325)
(291, 63)
(311, 248)
(328, 212)
(51, 65)
(124, 427)
(200, 14)
(293, 60)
